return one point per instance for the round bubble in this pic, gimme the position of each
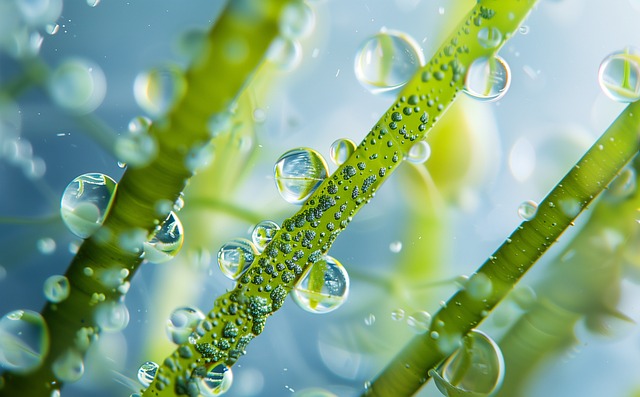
(86, 202)
(182, 322)
(68, 367)
(56, 288)
(158, 89)
(296, 20)
(78, 85)
(341, 150)
(216, 382)
(419, 153)
(487, 79)
(323, 287)
(235, 257)
(527, 210)
(166, 242)
(285, 53)
(147, 372)
(619, 75)
(24, 341)
(298, 173)
(263, 233)
(489, 37)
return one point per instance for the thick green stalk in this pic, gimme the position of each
(497, 276)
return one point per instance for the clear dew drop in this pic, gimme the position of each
(93, 3)
(112, 316)
(395, 246)
(78, 85)
(419, 152)
(386, 61)
(296, 20)
(489, 37)
(341, 150)
(136, 149)
(475, 369)
(55, 393)
(323, 287)
(158, 89)
(479, 286)
(397, 314)
(38, 12)
(527, 210)
(182, 322)
(298, 173)
(147, 372)
(46, 245)
(166, 242)
(235, 257)
(24, 340)
(52, 28)
(285, 53)
(263, 233)
(619, 75)
(56, 288)
(216, 382)
(86, 202)
(69, 367)
(419, 321)
(488, 79)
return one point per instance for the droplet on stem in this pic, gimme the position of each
(487, 79)
(323, 287)
(86, 202)
(298, 173)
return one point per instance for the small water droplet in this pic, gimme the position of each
(395, 246)
(182, 322)
(386, 61)
(323, 287)
(341, 150)
(298, 173)
(479, 286)
(370, 320)
(46, 245)
(78, 85)
(619, 75)
(147, 372)
(166, 242)
(441, 10)
(296, 20)
(488, 79)
(489, 37)
(527, 210)
(157, 90)
(93, 3)
(137, 148)
(220, 123)
(52, 28)
(397, 314)
(286, 54)
(39, 12)
(216, 382)
(419, 152)
(86, 202)
(524, 297)
(419, 321)
(235, 257)
(69, 367)
(24, 340)
(524, 29)
(112, 316)
(263, 233)
(56, 288)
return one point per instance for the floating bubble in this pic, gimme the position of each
(524, 297)
(386, 61)
(619, 75)
(419, 152)
(181, 324)
(56, 288)
(298, 173)
(158, 89)
(397, 314)
(24, 340)
(137, 149)
(216, 382)
(46, 245)
(285, 53)
(78, 85)
(395, 246)
(624, 185)
(93, 3)
(370, 320)
(69, 367)
(527, 210)
(235, 257)
(523, 29)
(475, 369)
(489, 37)
(487, 79)
(199, 157)
(166, 242)
(263, 233)
(147, 372)
(112, 316)
(39, 12)
(296, 20)
(86, 202)
(341, 150)
(323, 287)
(52, 28)
(419, 321)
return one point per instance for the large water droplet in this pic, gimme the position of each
(619, 75)
(147, 372)
(235, 257)
(157, 90)
(56, 288)
(475, 369)
(78, 85)
(323, 287)
(69, 367)
(386, 61)
(296, 20)
(489, 37)
(24, 340)
(298, 173)
(527, 210)
(182, 322)
(487, 79)
(419, 152)
(112, 316)
(263, 233)
(86, 202)
(166, 242)
(341, 150)
(216, 382)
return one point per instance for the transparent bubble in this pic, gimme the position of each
(235, 257)
(136, 149)
(112, 316)
(24, 340)
(524, 29)
(487, 79)
(476, 368)
(341, 150)
(323, 287)
(489, 37)
(386, 61)
(69, 367)
(527, 210)
(397, 314)
(298, 173)
(419, 321)
(166, 242)
(395, 246)
(93, 3)
(56, 288)
(78, 85)
(619, 75)
(370, 320)
(147, 372)
(39, 12)
(216, 382)
(86, 202)
(285, 53)
(52, 28)
(182, 322)
(296, 20)
(419, 152)
(46, 245)
(479, 286)
(314, 392)
(158, 89)
(263, 233)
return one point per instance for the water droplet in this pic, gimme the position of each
(395, 246)
(235, 257)
(216, 382)
(527, 210)
(52, 28)
(157, 90)
(370, 320)
(323, 287)
(296, 20)
(441, 10)
(263, 233)
(93, 3)
(419, 152)
(298, 173)
(56, 288)
(479, 286)
(24, 340)
(419, 321)
(341, 150)
(166, 242)
(476, 368)
(112, 316)
(524, 297)
(487, 79)
(46, 245)
(285, 53)
(69, 367)
(220, 123)
(386, 61)
(78, 85)
(55, 393)
(314, 392)
(86, 202)
(136, 149)
(489, 37)
(619, 75)
(147, 372)
(623, 186)
(397, 314)
(181, 324)
(524, 29)
(39, 12)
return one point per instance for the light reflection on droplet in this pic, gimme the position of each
(298, 173)
(158, 89)
(24, 340)
(323, 287)
(86, 202)
(166, 242)
(182, 322)
(487, 79)
(527, 210)
(341, 149)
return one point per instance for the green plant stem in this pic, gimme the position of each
(466, 309)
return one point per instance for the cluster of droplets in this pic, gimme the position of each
(619, 75)
(296, 22)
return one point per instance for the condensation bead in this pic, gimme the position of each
(166, 242)
(419, 321)
(285, 53)
(78, 85)
(235, 257)
(220, 123)
(158, 89)
(397, 314)
(527, 210)
(263, 233)
(216, 382)
(386, 61)
(86, 202)
(182, 322)
(619, 75)
(489, 37)
(296, 20)
(419, 152)
(341, 150)
(298, 173)
(147, 372)
(24, 340)
(487, 79)
(56, 288)
(323, 287)
(69, 367)
(112, 316)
